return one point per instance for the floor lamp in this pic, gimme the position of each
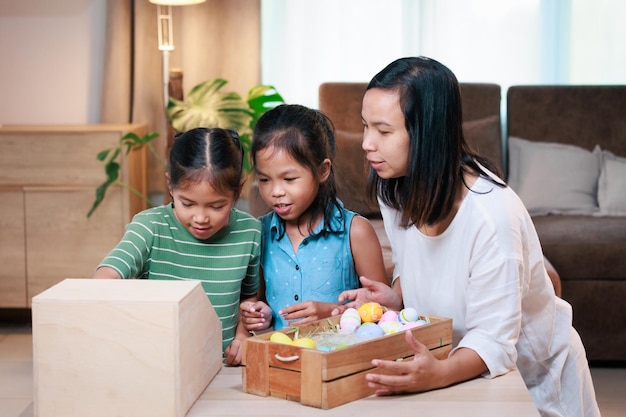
(165, 28)
(166, 36)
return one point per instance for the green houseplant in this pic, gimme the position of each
(205, 105)
(110, 159)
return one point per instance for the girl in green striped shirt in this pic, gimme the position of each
(199, 235)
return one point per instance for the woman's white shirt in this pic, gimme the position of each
(486, 272)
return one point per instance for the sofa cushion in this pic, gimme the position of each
(351, 169)
(554, 178)
(484, 135)
(612, 185)
(584, 247)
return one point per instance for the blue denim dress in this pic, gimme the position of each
(320, 271)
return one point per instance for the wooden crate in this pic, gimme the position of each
(327, 379)
(110, 347)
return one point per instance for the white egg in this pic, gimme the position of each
(350, 320)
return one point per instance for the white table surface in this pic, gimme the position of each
(504, 396)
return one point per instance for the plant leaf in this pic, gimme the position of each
(147, 138)
(113, 157)
(102, 155)
(262, 98)
(112, 169)
(206, 106)
(128, 142)
(131, 138)
(100, 193)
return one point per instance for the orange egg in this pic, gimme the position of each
(370, 312)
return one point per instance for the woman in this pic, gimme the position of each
(464, 247)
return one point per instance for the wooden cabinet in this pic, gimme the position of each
(48, 178)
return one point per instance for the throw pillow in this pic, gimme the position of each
(484, 136)
(612, 185)
(554, 178)
(351, 170)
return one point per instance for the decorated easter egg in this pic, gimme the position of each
(388, 316)
(368, 331)
(408, 314)
(350, 320)
(280, 337)
(370, 312)
(305, 342)
(391, 327)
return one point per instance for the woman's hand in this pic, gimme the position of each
(307, 312)
(424, 372)
(371, 291)
(255, 315)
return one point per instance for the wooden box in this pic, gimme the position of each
(328, 379)
(133, 348)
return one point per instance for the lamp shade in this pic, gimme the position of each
(176, 2)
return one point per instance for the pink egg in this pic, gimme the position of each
(413, 324)
(388, 316)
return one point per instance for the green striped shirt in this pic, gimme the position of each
(156, 246)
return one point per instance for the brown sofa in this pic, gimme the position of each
(588, 250)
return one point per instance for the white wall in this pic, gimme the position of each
(51, 59)
(51, 51)
(507, 42)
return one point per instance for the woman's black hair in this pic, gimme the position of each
(430, 100)
(207, 154)
(307, 135)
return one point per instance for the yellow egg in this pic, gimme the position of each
(305, 342)
(370, 312)
(391, 327)
(279, 337)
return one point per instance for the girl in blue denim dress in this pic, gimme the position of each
(312, 247)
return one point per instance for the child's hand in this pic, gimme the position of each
(232, 354)
(234, 351)
(255, 315)
(307, 312)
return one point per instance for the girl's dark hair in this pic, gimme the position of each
(307, 135)
(207, 154)
(430, 100)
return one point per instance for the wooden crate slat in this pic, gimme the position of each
(285, 383)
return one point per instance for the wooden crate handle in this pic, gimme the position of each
(286, 358)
